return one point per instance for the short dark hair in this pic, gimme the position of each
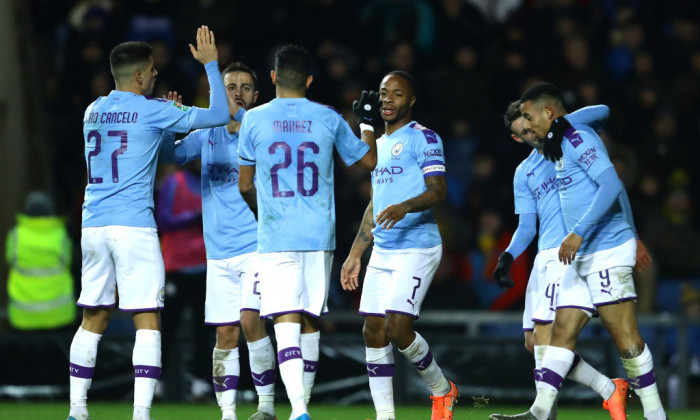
(238, 67)
(293, 66)
(128, 54)
(512, 114)
(540, 91)
(407, 77)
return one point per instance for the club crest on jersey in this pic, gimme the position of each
(397, 149)
(560, 164)
(161, 295)
(180, 106)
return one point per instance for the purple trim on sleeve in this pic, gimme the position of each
(385, 370)
(423, 363)
(266, 378)
(78, 371)
(434, 173)
(144, 371)
(225, 383)
(310, 366)
(550, 377)
(288, 354)
(643, 381)
(432, 162)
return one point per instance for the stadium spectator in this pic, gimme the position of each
(39, 253)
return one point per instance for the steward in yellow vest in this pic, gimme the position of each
(40, 285)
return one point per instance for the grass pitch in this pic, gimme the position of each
(161, 411)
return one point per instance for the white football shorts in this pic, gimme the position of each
(607, 275)
(232, 287)
(398, 279)
(542, 289)
(124, 260)
(294, 281)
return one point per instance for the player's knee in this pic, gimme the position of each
(398, 335)
(373, 329)
(530, 346)
(227, 336)
(253, 327)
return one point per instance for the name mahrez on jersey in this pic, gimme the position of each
(291, 126)
(124, 117)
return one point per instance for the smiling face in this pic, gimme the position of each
(397, 99)
(524, 135)
(240, 88)
(538, 117)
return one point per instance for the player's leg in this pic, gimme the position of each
(310, 340)
(226, 369)
(222, 309)
(260, 351)
(281, 281)
(146, 358)
(261, 356)
(413, 272)
(83, 357)
(141, 283)
(621, 322)
(97, 297)
(379, 353)
(613, 293)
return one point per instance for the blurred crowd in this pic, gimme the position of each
(471, 58)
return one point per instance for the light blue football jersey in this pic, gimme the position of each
(536, 188)
(404, 159)
(123, 132)
(230, 228)
(290, 141)
(585, 157)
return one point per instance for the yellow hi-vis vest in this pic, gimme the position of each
(40, 287)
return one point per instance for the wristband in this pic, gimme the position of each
(367, 127)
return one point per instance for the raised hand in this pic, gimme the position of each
(367, 108)
(173, 96)
(205, 51)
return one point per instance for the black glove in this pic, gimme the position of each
(367, 108)
(552, 144)
(502, 272)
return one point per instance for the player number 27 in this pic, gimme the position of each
(97, 138)
(301, 166)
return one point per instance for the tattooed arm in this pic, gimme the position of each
(351, 267)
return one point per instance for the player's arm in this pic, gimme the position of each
(435, 192)
(351, 267)
(369, 161)
(218, 113)
(609, 189)
(524, 234)
(366, 110)
(246, 186)
(594, 116)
